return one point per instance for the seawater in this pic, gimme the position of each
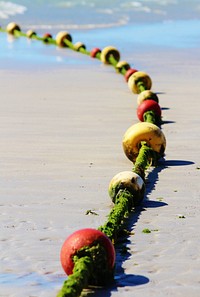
(124, 24)
(90, 14)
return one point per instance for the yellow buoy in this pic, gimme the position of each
(145, 95)
(78, 45)
(109, 51)
(127, 180)
(30, 33)
(122, 64)
(61, 37)
(142, 78)
(143, 132)
(12, 27)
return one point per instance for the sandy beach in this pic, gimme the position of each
(61, 143)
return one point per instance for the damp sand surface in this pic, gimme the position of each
(61, 131)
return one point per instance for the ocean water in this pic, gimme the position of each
(88, 14)
(169, 24)
(97, 14)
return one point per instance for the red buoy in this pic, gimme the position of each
(84, 238)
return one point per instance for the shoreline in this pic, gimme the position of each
(155, 38)
(61, 144)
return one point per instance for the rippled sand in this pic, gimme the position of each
(61, 129)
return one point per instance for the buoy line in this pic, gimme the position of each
(88, 255)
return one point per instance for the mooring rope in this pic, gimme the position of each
(92, 261)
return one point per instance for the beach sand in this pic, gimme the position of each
(61, 143)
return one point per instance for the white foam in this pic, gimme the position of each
(138, 6)
(9, 9)
(123, 21)
(70, 4)
(105, 11)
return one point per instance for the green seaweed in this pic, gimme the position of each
(144, 159)
(147, 231)
(90, 263)
(120, 211)
(151, 117)
(90, 268)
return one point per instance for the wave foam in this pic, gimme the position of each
(122, 22)
(8, 9)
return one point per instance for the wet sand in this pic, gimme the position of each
(61, 133)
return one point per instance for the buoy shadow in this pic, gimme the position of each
(122, 252)
(167, 122)
(126, 280)
(170, 163)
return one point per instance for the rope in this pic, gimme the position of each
(75, 283)
(144, 160)
(151, 117)
(120, 211)
(125, 201)
(141, 86)
(90, 267)
(90, 263)
(112, 60)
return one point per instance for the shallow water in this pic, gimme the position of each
(128, 25)
(129, 39)
(96, 14)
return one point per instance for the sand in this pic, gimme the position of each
(61, 132)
